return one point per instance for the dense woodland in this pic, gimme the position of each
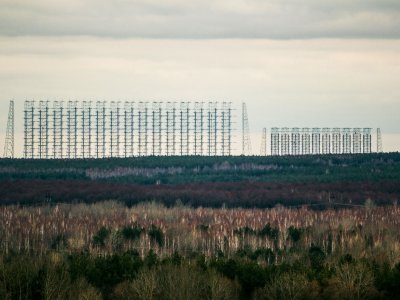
(197, 228)
(238, 181)
(109, 251)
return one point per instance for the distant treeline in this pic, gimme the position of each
(206, 181)
(212, 194)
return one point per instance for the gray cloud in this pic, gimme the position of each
(276, 19)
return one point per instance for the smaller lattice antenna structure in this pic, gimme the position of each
(263, 149)
(379, 147)
(246, 142)
(9, 140)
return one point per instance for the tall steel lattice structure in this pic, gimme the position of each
(101, 128)
(171, 128)
(295, 142)
(9, 139)
(326, 141)
(366, 140)
(57, 129)
(275, 139)
(379, 146)
(285, 141)
(98, 129)
(157, 122)
(246, 141)
(357, 142)
(316, 140)
(263, 148)
(346, 140)
(303, 141)
(198, 122)
(185, 129)
(226, 129)
(336, 141)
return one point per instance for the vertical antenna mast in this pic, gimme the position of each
(246, 143)
(9, 141)
(263, 151)
(379, 147)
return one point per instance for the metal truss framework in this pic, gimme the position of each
(98, 129)
(379, 146)
(9, 139)
(263, 148)
(303, 141)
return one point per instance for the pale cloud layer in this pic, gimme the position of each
(321, 82)
(273, 19)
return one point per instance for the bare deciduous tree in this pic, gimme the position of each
(288, 286)
(352, 281)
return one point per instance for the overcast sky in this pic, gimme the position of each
(295, 63)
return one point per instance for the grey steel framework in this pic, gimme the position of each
(295, 141)
(303, 141)
(336, 141)
(275, 141)
(326, 140)
(184, 128)
(379, 146)
(9, 139)
(57, 130)
(246, 141)
(346, 136)
(226, 128)
(198, 119)
(98, 129)
(285, 141)
(263, 148)
(366, 140)
(316, 141)
(357, 140)
(212, 127)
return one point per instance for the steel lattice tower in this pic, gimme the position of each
(29, 132)
(366, 140)
(263, 148)
(246, 141)
(43, 129)
(156, 136)
(295, 141)
(285, 141)
(212, 128)
(184, 128)
(58, 130)
(379, 146)
(143, 121)
(86, 122)
(326, 140)
(9, 140)
(198, 120)
(336, 141)
(100, 129)
(275, 141)
(170, 129)
(72, 129)
(226, 129)
(357, 140)
(316, 140)
(305, 141)
(346, 138)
